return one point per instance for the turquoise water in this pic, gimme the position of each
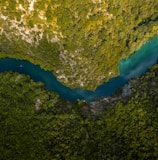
(138, 63)
(134, 66)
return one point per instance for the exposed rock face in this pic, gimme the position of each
(81, 42)
(38, 104)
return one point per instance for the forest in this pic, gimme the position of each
(81, 43)
(37, 124)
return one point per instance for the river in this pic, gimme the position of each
(133, 66)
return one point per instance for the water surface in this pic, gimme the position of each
(131, 67)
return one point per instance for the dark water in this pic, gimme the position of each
(134, 66)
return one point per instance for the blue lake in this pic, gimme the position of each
(133, 66)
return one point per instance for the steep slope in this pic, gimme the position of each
(81, 42)
(36, 124)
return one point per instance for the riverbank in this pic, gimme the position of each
(134, 66)
(136, 88)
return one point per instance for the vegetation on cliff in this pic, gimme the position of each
(80, 42)
(36, 124)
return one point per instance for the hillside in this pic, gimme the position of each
(81, 42)
(36, 124)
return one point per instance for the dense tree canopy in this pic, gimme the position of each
(36, 124)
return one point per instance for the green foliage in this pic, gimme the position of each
(23, 130)
(131, 130)
(56, 129)
(82, 40)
